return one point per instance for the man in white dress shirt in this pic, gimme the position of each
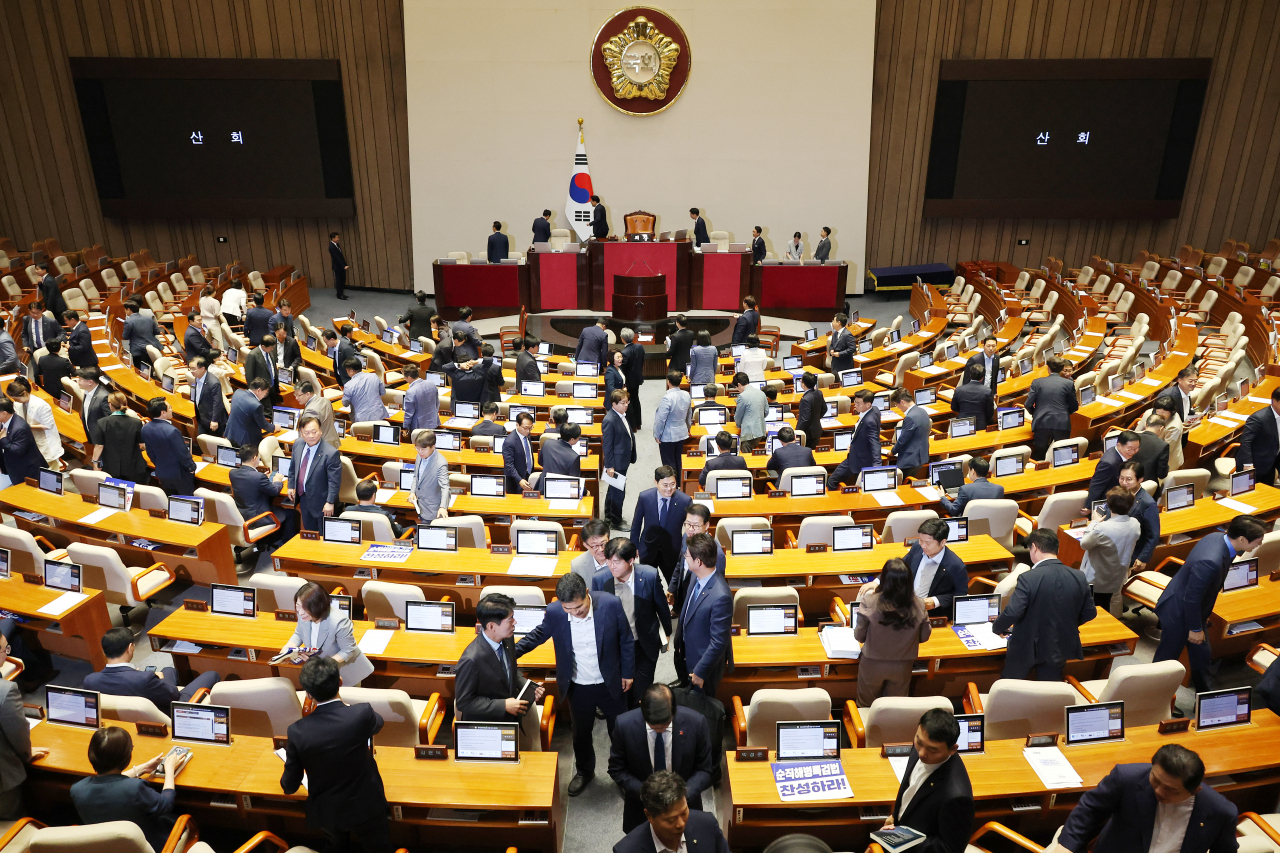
(934, 796)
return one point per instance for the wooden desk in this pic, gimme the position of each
(212, 561)
(76, 632)
(1208, 438)
(883, 358)
(949, 370)
(815, 351)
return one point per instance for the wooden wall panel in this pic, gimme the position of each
(1233, 188)
(46, 183)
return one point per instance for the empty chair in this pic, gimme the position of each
(27, 553)
(1197, 477)
(406, 722)
(726, 526)
(907, 361)
(904, 524)
(999, 515)
(756, 724)
(471, 530)
(261, 707)
(548, 526)
(524, 595)
(125, 586)
(747, 596)
(1046, 312)
(784, 482)
(1016, 708)
(890, 719)
(115, 836)
(1146, 689)
(385, 600)
(275, 591)
(1057, 510)
(1171, 281)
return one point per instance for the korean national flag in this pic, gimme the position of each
(577, 208)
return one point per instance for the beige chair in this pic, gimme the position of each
(720, 238)
(260, 707)
(1258, 833)
(131, 709)
(784, 482)
(1000, 515)
(1021, 450)
(407, 722)
(559, 237)
(1121, 312)
(530, 596)
(904, 524)
(756, 724)
(1016, 708)
(1005, 586)
(86, 481)
(150, 497)
(347, 488)
(27, 553)
(1146, 689)
(221, 507)
(388, 377)
(116, 836)
(374, 526)
(1057, 510)
(1043, 315)
(726, 526)
(471, 530)
(209, 444)
(385, 600)
(460, 257)
(890, 719)
(275, 591)
(906, 361)
(1197, 477)
(547, 526)
(747, 596)
(124, 586)
(818, 529)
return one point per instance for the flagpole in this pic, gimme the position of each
(581, 137)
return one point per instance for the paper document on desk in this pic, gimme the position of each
(859, 358)
(383, 495)
(980, 636)
(929, 492)
(182, 647)
(831, 423)
(618, 481)
(1108, 401)
(201, 465)
(1076, 533)
(453, 499)
(799, 781)
(709, 503)
(289, 436)
(887, 498)
(1052, 767)
(461, 423)
(562, 504)
(63, 603)
(1130, 395)
(899, 765)
(379, 553)
(113, 367)
(98, 514)
(1264, 400)
(1230, 503)
(281, 755)
(1149, 381)
(1224, 422)
(933, 369)
(537, 567)
(375, 640)
(839, 643)
(1235, 416)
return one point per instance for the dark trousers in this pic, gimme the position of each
(645, 668)
(312, 521)
(633, 411)
(584, 699)
(670, 453)
(1043, 671)
(373, 836)
(339, 281)
(1042, 438)
(183, 484)
(204, 679)
(25, 646)
(1173, 639)
(613, 502)
(232, 320)
(1102, 600)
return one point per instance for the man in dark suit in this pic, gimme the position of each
(973, 398)
(813, 407)
(38, 330)
(659, 514)
(1050, 401)
(331, 747)
(619, 451)
(703, 645)
(79, 341)
(840, 344)
(140, 331)
(679, 344)
(1137, 805)
(757, 245)
(593, 344)
(417, 320)
(670, 825)
(1145, 510)
(979, 490)
(659, 735)
(644, 601)
(517, 455)
(542, 228)
(51, 292)
(1260, 442)
(725, 460)
(194, 342)
(1048, 606)
(934, 796)
(464, 348)
(1106, 476)
(697, 519)
(287, 352)
(19, 454)
(557, 456)
(257, 320)
(599, 219)
(937, 574)
(592, 675)
(633, 373)
(1185, 604)
(912, 446)
(315, 476)
(989, 361)
(822, 251)
(338, 263)
(255, 493)
(864, 449)
(93, 404)
(168, 451)
(284, 314)
(1153, 453)
(119, 678)
(527, 363)
(339, 350)
(498, 246)
(699, 228)
(488, 423)
(1180, 392)
(487, 680)
(790, 454)
(206, 396)
(260, 363)
(748, 322)
(51, 368)
(247, 422)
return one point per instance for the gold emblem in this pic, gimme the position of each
(640, 60)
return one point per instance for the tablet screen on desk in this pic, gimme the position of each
(528, 617)
(936, 469)
(776, 414)
(63, 576)
(71, 707)
(1088, 394)
(1109, 442)
(233, 600)
(850, 378)
(584, 391)
(437, 538)
(483, 741)
(1219, 708)
(841, 440)
(1012, 418)
(115, 497)
(448, 440)
(881, 401)
(733, 487)
(793, 363)
(435, 378)
(386, 434)
(51, 481)
(1177, 497)
(280, 465)
(832, 409)
(561, 488)
(957, 530)
(341, 603)
(974, 609)
(209, 724)
(776, 619)
(880, 479)
(533, 388)
(752, 542)
(186, 509)
(4, 563)
(415, 345)
(284, 418)
(166, 382)
(343, 531)
(1007, 466)
(1240, 483)
(1094, 723)
(579, 415)
(926, 360)
(466, 410)
(810, 334)
(228, 457)
(808, 485)
(712, 415)
(488, 485)
(406, 477)
(1241, 575)
(808, 740)
(737, 350)
(972, 739)
(516, 411)
(925, 396)
(1066, 455)
(537, 543)
(852, 537)
(963, 427)
(864, 346)
(433, 616)
(586, 368)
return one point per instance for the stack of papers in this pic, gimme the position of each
(1108, 401)
(562, 504)
(980, 636)
(839, 643)
(1130, 395)
(289, 436)
(1149, 381)
(182, 647)
(933, 370)
(374, 641)
(461, 423)
(887, 498)
(1230, 503)
(383, 495)
(63, 603)
(538, 567)
(930, 492)
(201, 465)
(831, 423)
(1235, 416)
(1263, 400)
(1052, 767)
(387, 553)
(98, 514)
(280, 752)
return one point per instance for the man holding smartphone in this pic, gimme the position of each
(120, 678)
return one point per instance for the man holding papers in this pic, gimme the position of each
(864, 449)
(934, 796)
(487, 682)
(644, 601)
(619, 447)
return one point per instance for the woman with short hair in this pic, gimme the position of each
(118, 792)
(1108, 544)
(325, 632)
(703, 358)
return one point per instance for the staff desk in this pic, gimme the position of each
(1260, 604)
(76, 632)
(815, 351)
(1246, 755)
(1208, 437)
(212, 561)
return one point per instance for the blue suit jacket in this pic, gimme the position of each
(704, 627)
(864, 450)
(253, 491)
(701, 835)
(22, 457)
(1188, 600)
(246, 422)
(498, 247)
(646, 516)
(126, 681)
(80, 346)
(257, 325)
(615, 648)
(593, 345)
(1106, 476)
(650, 605)
(167, 449)
(515, 462)
(619, 444)
(700, 235)
(979, 490)
(951, 579)
(324, 477)
(1123, 809)
(748, 323)
(912, 447)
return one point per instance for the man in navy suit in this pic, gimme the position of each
(498, 246)
(748, 323)
(790, 454)
(757, 245)
(935, 797)
(338, 262)
(599, 219)
(542, 228)
(1161, 806)
(644, 601)
(517, 455)
(119, 678)
(671, 826)
(1051, 400)
(257, 320)
(339, 349)
(255, 492)
(19, 453)
(79, 341)
(194, 343)
(593, 344)
(700, 235)
(315, 475)
(864, 449)
(38, 330)
(989, 361)
(619, 450)
(206, 396)
(1260, 442)
(51, 291)
(595, 662)
(284, 315)
(656, 524)
(725, 460)
(558, 457)
(659, 735)
(168, 450)
(840, 344)
(1106, 476)
(247, 422)
(974, 397)
(937, 573)
(979, 489)
(912, 447)
(703, 644)
(1185, 604)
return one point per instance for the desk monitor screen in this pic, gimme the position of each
(145, 369)
(974, 609)
(280, 465)
(498, 441)
(533, 388)
(432, 616)
(343, 531)
(312, 343)
(115, 497)
(228, 457)
(584, 391)
(231, 600)
(881, 401)
(1094, 723)
(388, 336)
(852, 537)
(167, 382)
(1110, 442)
(466, 410)
(810, 334)
(793, 363)
(963, 427)
(448, 440)
(712, 415)
(972, 734)
(808, 485)
(537, 543)
(341, 603)
(284, 418)
(951, 352)
(435, 378)
(733, 487)
(488, 485)
(775, 619)
(186, 509)
(406, 477)
(580, 448)
(713, 449)
(68, 706)
(880, 479)
(853, 319)
(808, 740)
(209, 724)
(864, 346)
(579, 415)
(840, 441)
(586, 368)
(737, 350)
(233, 356)
(1241, 574)
(936, 469)
(925, 396)
(1178, 497)
(528, 617)
(1007, 466)
(65, 401)
(915, 326)
(436, 538)
(776, 414)
(832, 409)
(1088, 394)
(4, 563)
(514, 412)
(850, 378)
(1240, 483)
(483, 741)
(50, 481)
(926, 360)
(1115, 382)
(752, 542)
(415, 345)
(1219, 708)
(1012, 418)
(561, 488)
(62, 575)
(969, 342)
(1025, 366)
(895, 335)
(1068, 455)
(957, 530)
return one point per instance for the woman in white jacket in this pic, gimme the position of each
(39, 416)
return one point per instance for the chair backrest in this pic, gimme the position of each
(1210, 299)
(1171, 281)
(1061, 508)
(385, 600)
(460, 257)
(747, 596)
(374, 526)
(26, 555)
(818, 529)
(1192, 290)
(1016, 708)
(115, 836)
(223, 506)
(904, 524)
(1086, 274)
(1243, 276)
(1004, 588)
(103, 569)
(1197, 477)
(547, 526)
(347, 488)
(471, 529)
(1145, 689)
(87, 481)
(1022, 450)
(726, 526)
(894, 719)
(132, 709)
(1269, 289)
(275, 592)
(771, 706)
(784, 482)
(399, 717)
(525, 595)
(260, 707)
(1000, 515)
(1051, 302)
(559, 236)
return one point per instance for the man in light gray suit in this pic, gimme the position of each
(1051, 401)
(979, 490)
(912, 446)
(750, 412)
(672, 420)
(822, 251)
(595, 535)
(315, 476)
(15, 745)
(316, 404)
(421, 402)
(430, 479)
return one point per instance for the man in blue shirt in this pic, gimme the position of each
(363, 393)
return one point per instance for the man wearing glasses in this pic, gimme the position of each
(697, 520)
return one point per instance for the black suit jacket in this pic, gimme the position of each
(646, 516)
(516, 464)
(790, 456)
(1153, 453)
(1106, 475)
(347, 350)
(974, 398)
(557, 457)
(292, 352)
(255, 366)
(599, 222)
(619, 444)
(498, 247)
(747, 324)
(633, 367)
(630, 764)
(1188, 600)
(678, 352)
(951, 579)
(527, 369)
(942, 809)
(19, 455)
(210, 409)
(194, 343)
(336, 259)
(51, 294)
(49, 328)
(723, 462)
(989, 378)
(1048, 606)
(700, 232)
(80, 347)
(94, 412)
(1051, 401)
(51, 369)
(701, 835)
(253, 491)
(257, 325)
(418, 321)
(126, 681)
(482, 686)
(650, 606)
(757, 250)
(809, 418)
(843, 347)
(541, 230)
(331, 745)
(1260, 444)
(615, 646)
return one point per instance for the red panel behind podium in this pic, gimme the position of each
(787, 286)
(649, 259)
(722, 281)
(480, 285)
(559, 280)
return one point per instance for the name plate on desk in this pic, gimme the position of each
(35, 580)
(1042, 739)
(1174, 726)
(896, 750)
(196, 605)
(159, 513)
(469, 580)
(89, 499)
(760, 452)
(696, 454)
(32, 482)
(431, 753)
(286, 616)
(937, 621)
(848, 490)
(532, 494)
(816, 548)
(751, 753)
(483, 448)
(388, 623)
(499, 549)
(1274, 576)
(310, 535)
(363, 437)
(152, 729)
(777, 493)
(703, 496)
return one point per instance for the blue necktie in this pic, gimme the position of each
(662, 511)
(659, 753)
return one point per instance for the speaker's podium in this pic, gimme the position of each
(639, 298)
